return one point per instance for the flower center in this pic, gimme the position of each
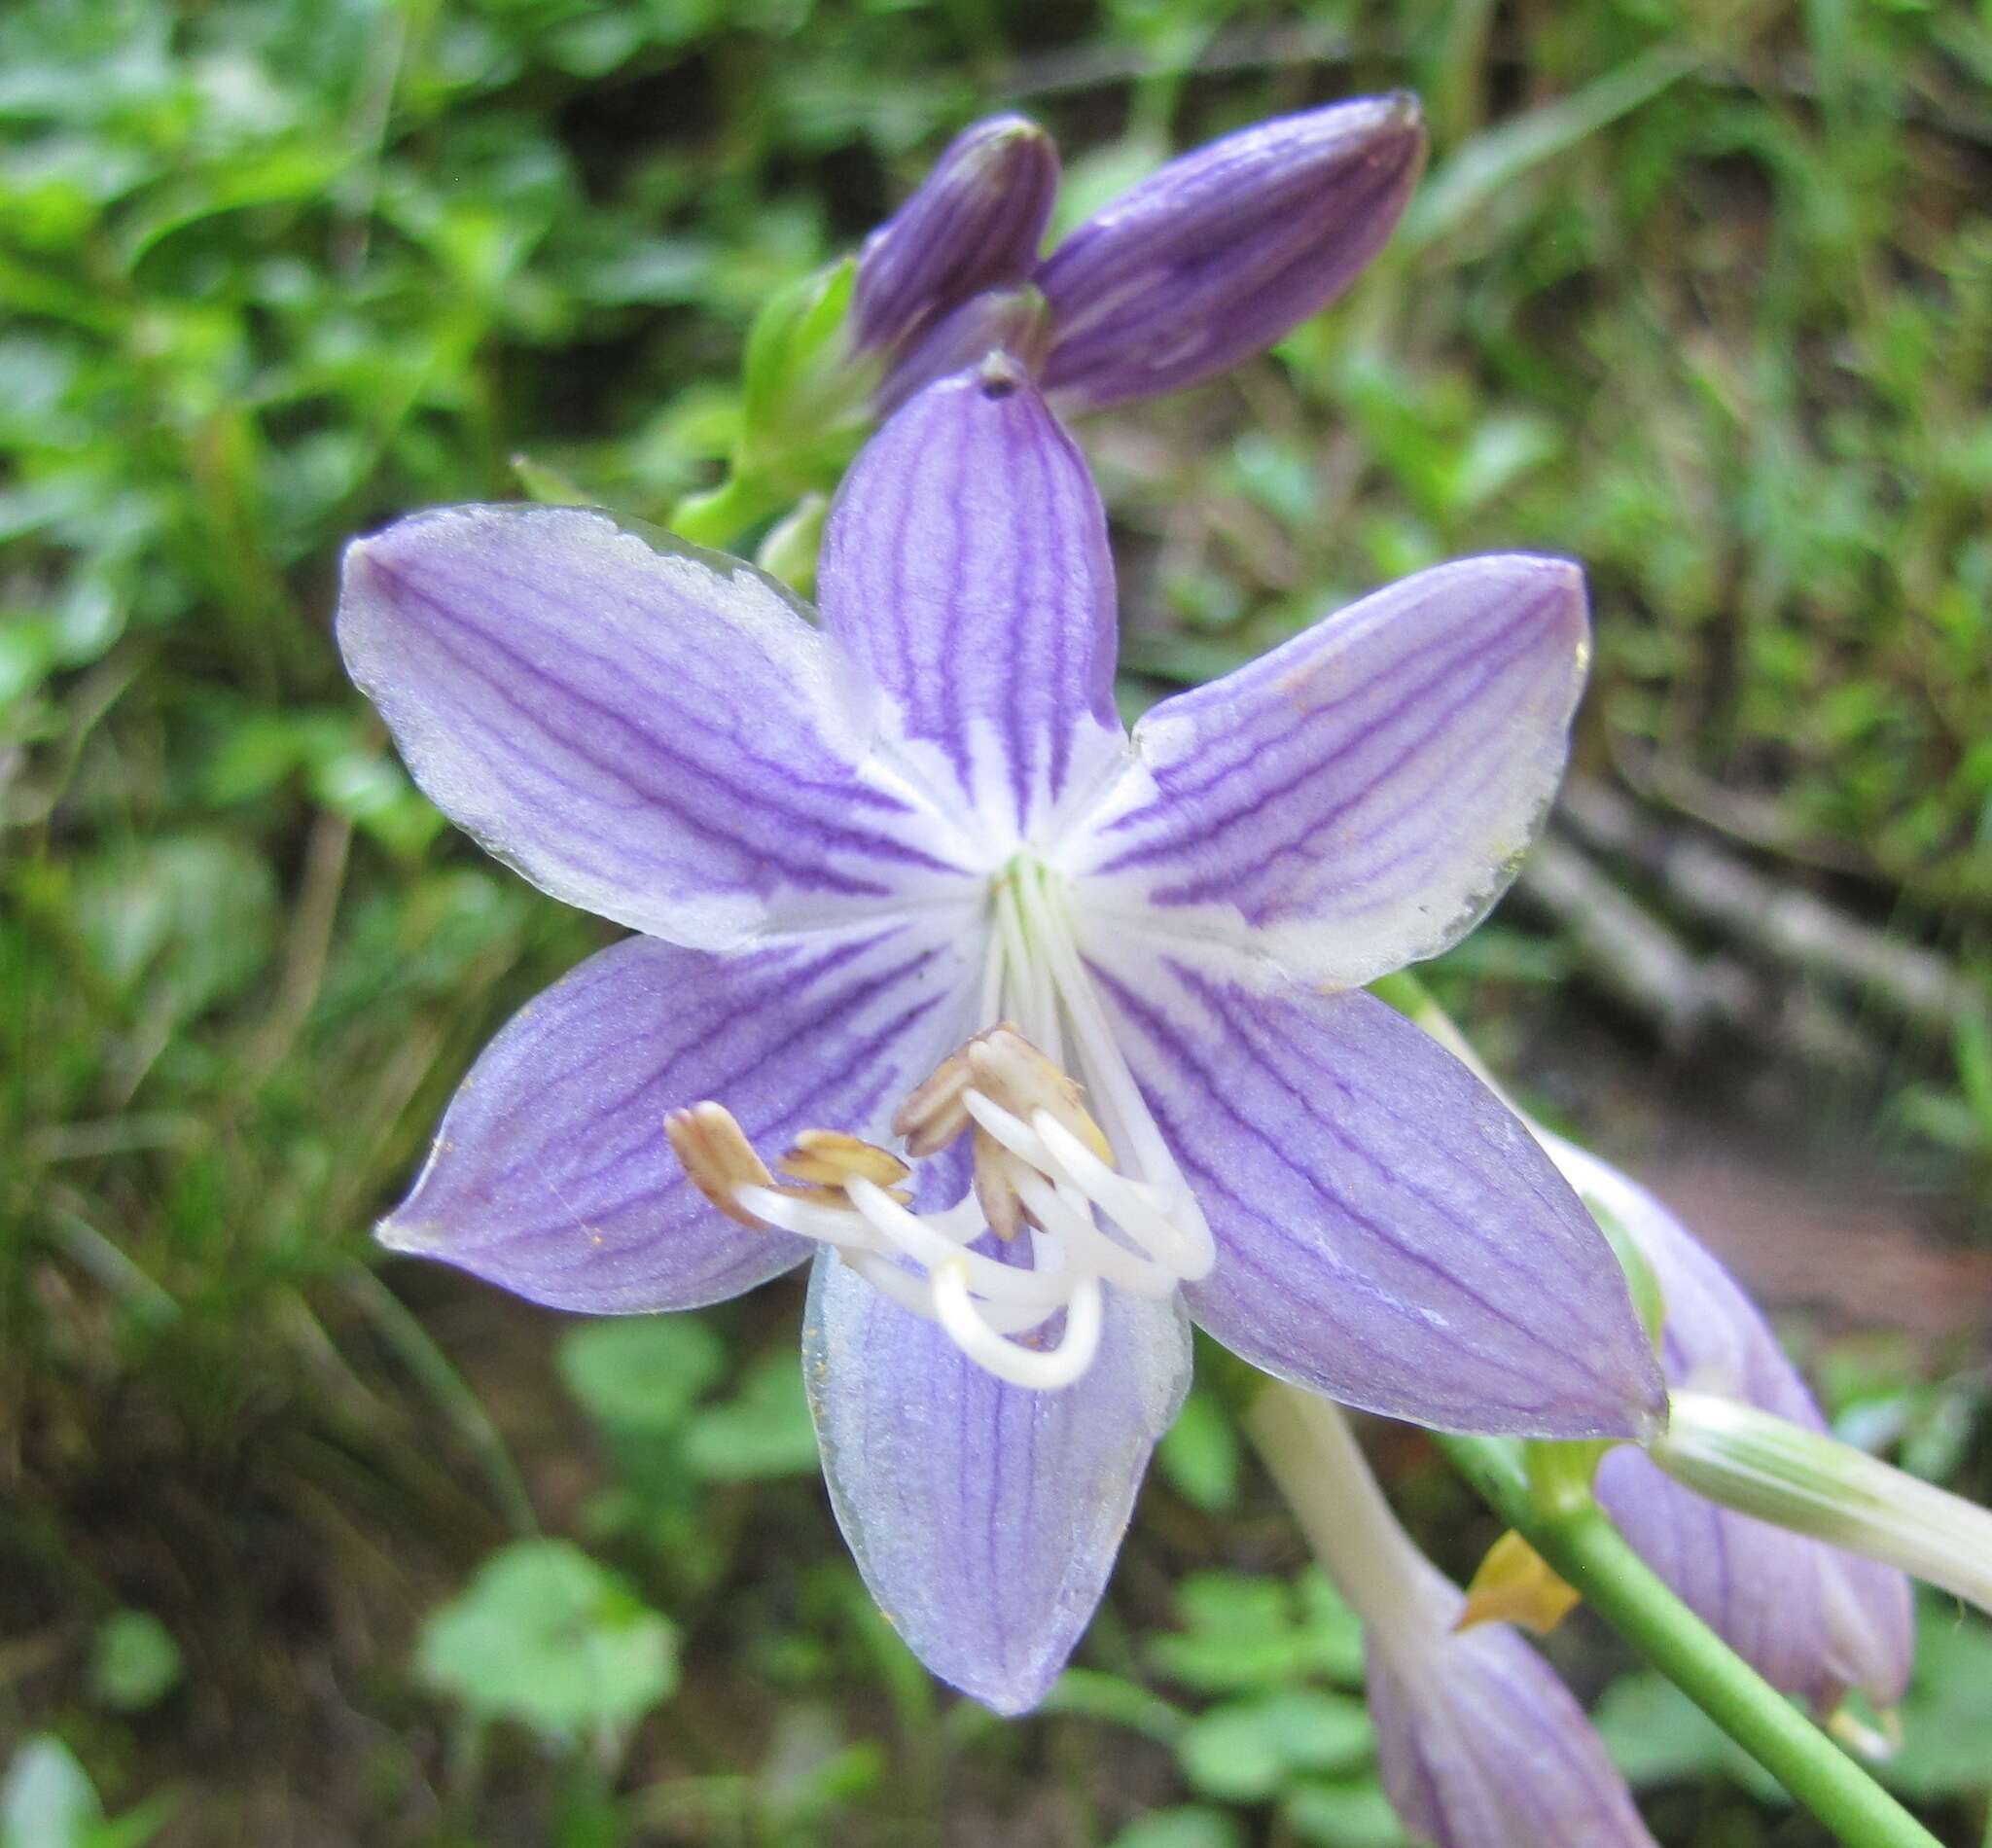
(1015, 1271)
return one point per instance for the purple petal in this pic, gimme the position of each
(1388, 1233)
(975, 223)
(1809, 1618)
(1217, 256)
(1480, 1746)
(646, 733)
(965, 571)
(984, 1517)
(551, 1176)
(1359, 798)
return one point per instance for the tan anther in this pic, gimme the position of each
(933, 1114)
(1023, 1081)
(828, 1157)
(717, 1157)
(995, 1188)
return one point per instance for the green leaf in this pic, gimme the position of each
(1346, 1813)
(765, 1431)
(1199, 1454)
(1495, 160)
(1190, 1826)
(799, 379)
(1246, 1633)
(1656, 1735)
(641, 1372)
(134, 1663)
(1119, 1701)
(187, 922)
(546, 1636)
(1247, 1750)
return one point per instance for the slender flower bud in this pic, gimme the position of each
(1751, 1460)
(1811, 1619)
(1220, 253)
(1480, 1744)
(974, 224)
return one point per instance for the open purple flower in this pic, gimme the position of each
(852, 850)
(1207, 261)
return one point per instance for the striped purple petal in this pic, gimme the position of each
(551, 1176)
(1810, 1619)
(1224, 250)
(1481, 1746)
(984, 1517)
(965, 572)
(1388, 1233)
(1357, 799)
(644, 731)
(975, 223)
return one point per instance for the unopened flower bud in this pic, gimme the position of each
(1479, 1745)
(973, 224)
(1810, 1619)
(1224, 250)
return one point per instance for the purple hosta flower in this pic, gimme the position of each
(1811, 1619)
(1480, 1744)
(853, 851)
(1206, 263)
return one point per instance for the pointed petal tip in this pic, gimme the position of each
(1014, 1693)
(410, 1238)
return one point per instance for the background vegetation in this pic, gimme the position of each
(303, 1547)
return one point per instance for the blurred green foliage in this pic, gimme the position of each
(1698, 290)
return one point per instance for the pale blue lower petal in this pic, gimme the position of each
(984, 1517)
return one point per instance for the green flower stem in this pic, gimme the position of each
(719, 517)
(1559, 1517)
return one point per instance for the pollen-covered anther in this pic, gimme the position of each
(1011, 1071)
(829, 1157)
(717, 1158)
(934, 1114)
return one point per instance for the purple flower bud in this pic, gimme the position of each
(1810, 1619)
(1219, 253)
(974, 224)
(1480, 1746)
(1012, 321)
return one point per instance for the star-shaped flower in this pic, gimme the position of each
(900, 876)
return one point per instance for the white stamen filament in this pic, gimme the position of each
(1101, 1203)
(1043, 1368)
